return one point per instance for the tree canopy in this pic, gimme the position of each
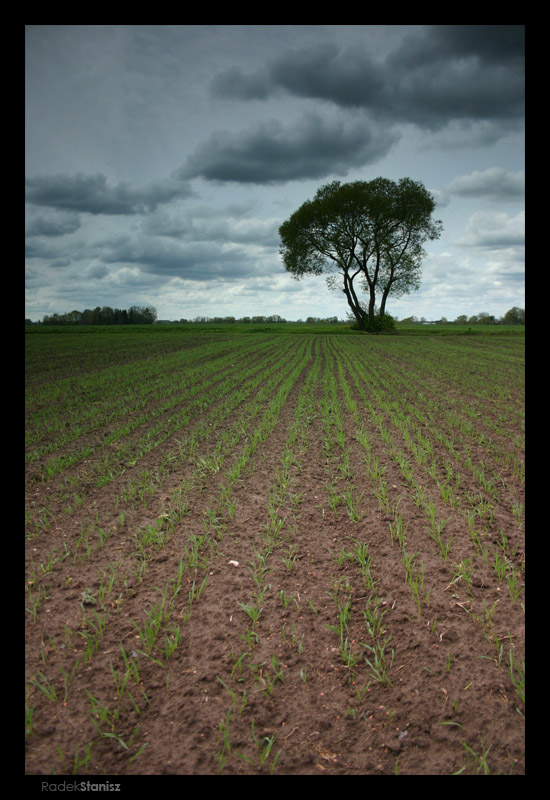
(368, 236)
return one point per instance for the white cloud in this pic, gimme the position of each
(494, 229)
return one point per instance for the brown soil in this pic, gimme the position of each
(290, 705)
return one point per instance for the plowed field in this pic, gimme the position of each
(289, 554)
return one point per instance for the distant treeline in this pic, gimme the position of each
(515, 316)
(258, 320)
(136, 315)
(146, 315)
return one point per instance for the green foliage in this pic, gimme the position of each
(381, 323)
(369, 235)
(515, 316)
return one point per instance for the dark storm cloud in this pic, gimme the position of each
(437, 74)
(489, 43)
(55, 224)
(92, 194)
(349, 78)
(270, 153)
(193, 261)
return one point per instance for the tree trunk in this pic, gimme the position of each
(372, 304)
(360, 315)
(371, 282)
(384, 298)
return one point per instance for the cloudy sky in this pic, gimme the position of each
(162, 159)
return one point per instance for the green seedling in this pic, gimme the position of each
(312, 606)
(45, 685)
(253, 611)
(380, 661)
(267, 680)
(224, 744)
(477, 761)
(515, 586)
(35, 600)
(374, 617)
(290, 559)
(517, 676)
(397, 531)
(463, 571)
(78, 763)
(29, 713)
(265, 746)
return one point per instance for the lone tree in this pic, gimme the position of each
(368, 236)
